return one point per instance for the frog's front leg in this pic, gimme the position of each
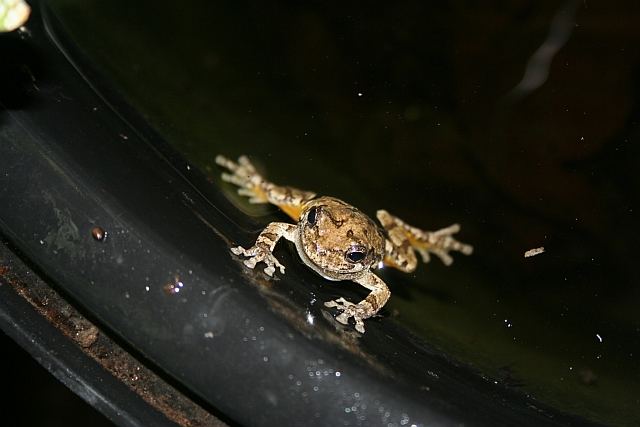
(262, 250)
(403, 239)
(259, 190)
(365, 308)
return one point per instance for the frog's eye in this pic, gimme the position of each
(312, 215)
(356, 254)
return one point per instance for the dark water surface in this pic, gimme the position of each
(519, 120)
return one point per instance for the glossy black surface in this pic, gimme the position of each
(264, 351)
(32, 399)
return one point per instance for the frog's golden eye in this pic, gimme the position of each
(312, 215)
(356, 254)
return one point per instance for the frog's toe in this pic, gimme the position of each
(340, 303)
(246, 163)
(343, 318)
(238, 250)
(233, 178)
(224, 162)
(272, 262)
(348, 310)
(251, 262)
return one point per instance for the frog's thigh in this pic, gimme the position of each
(289, 199)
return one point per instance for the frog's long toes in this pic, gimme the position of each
(466, 249)
(343, 318)
(359, 325)
(238, 250)
(246, 163)
(340, 303)
(222, 161)
(251, 262)
(444, 256)
(270, 270)
(447, 231)
(234, 179)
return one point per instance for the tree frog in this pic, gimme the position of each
(336, 240)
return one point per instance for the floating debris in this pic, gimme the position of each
(534, 252)
(99, 234)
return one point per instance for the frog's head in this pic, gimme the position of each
(338, 241)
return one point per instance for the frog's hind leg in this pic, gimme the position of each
(404, 239)
(366, 308)
(253, 185)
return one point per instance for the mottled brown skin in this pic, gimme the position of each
(336, 240)
(338, 229)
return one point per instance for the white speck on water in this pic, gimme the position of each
(359, 93)
(146, 288)
(310, 318)
(208, 334)
(265, 359)
(338, 373)
(42, 242)
(534, 252)
(599, 337)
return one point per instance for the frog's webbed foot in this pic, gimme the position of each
(403, 239)
(441, 242)
(366, 308)
(244, 175)
(257, 254)
(262, 251)
(349, 309)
